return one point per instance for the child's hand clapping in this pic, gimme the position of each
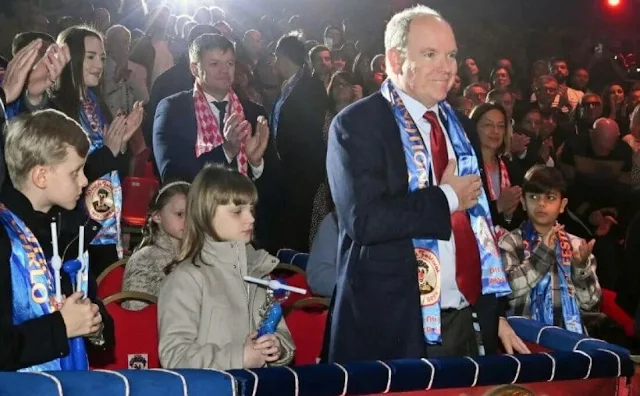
(582, 253)
(550, 238)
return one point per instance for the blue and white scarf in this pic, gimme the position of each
(33, 287)
(105, 189)
(542, 306)
(275, 116)
(418, 160)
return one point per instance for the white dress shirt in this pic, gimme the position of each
(255, 170)
(450, 296)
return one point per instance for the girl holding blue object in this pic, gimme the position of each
(208, 316)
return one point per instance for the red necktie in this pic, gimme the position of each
(468, 272)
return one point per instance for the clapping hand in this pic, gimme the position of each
(132, 121)
(47, 71)
(18, 70)
(602, 223)
(509, 200)
(582, 253)
(519, 143)
(550, 237)
(114, 135)
(236, 129)
(257, 144)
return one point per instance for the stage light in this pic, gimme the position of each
(613, 3)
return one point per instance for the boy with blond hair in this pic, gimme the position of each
(45, 154)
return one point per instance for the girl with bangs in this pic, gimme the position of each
(208, 315)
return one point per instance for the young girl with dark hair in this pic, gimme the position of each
(77, 94)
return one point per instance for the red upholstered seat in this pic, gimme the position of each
(136, 195)
(617, 314)
(143, 166)
(136, 335)
(297, 280)
(306, 321)
(110, 280)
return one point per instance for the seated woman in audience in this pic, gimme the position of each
(162, 235)
(503, 175)
(207, 314)
(615, 107)
(551, 272)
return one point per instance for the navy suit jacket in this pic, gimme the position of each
(171, 82)
(375, 312)
(174, 137)
(174, 142)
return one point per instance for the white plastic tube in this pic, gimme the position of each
(275, 285)
(56, 262)
(80, 276)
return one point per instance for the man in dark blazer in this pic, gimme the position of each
(175, 129)
(173, 81)
(376, 311)
(297, 123)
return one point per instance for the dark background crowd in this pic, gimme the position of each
(555, 67)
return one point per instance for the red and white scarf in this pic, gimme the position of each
(504, 181)
(209, 134)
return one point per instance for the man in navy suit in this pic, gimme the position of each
(175, 128)
(175, 131)
(174, 80)
(409, 276)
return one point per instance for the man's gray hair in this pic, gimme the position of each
(397, 32)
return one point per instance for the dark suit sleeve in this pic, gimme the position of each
(165, 132)
(102, 161)
(32, 342)
(359, 187)
(154, 98)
